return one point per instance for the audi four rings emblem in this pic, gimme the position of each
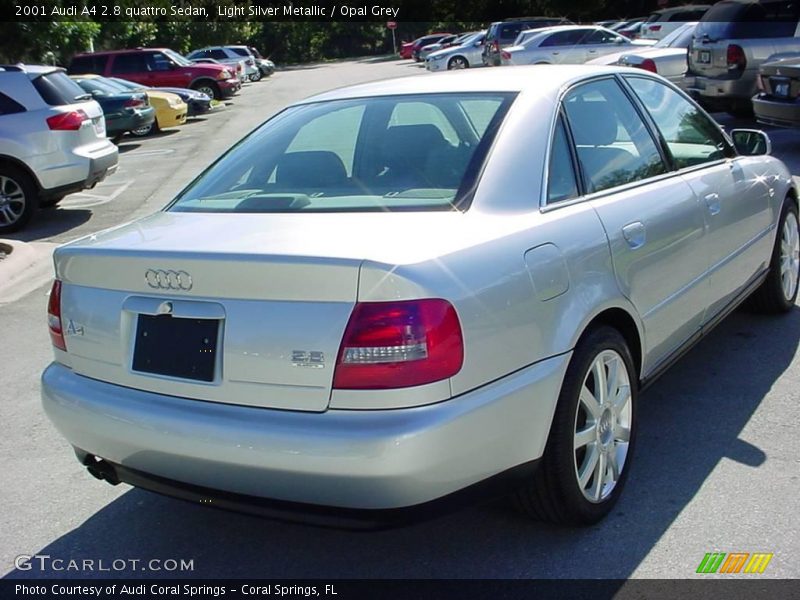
(168, 280)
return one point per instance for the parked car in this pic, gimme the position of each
(631, 30)
(159, 67)
(565, 44)
(197, 103)
(52, 142)
(667, 57)
(446, 42)
(424, 41)
(377, 373)
(663, 22)
(406, 49)
(123, 110)
(778, 102)
(245, 66)
(503, 33)
(264, 68)
(464, 56)
(236, 67)
(170, 109)
(730, 43)
(266, 65)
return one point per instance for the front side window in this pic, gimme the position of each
(369, 154)
(692, 137)
(612, 142)
(599, 36)
(158, 62)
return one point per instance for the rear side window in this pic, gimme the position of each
(91, 63)
(561, 181)
(735, 20)
(217, 54)
(368, 154)
(613, 145)
(570, 37)
(129, 63)
(9, 106)
(57, 89)
(241, 52)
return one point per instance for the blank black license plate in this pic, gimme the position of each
(185, 348)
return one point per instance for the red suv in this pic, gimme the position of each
(159, 67)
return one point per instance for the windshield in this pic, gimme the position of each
(414, 152)
(680, 38)
(177, 58)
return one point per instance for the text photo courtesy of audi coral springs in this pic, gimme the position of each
(358, 374)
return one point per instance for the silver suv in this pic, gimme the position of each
(730, 43)
(52, 141)
(227, 56)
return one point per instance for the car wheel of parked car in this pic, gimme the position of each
(457, 62)
(208, 88)
(779, 291)
(256, 76)
(588, 452)
(18, 199)
(146, 130)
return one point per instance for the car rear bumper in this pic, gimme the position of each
(353, 459)
(124, 122)
(783, 113)
(102, 162)
(720, 90)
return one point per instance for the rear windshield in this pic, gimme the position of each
(103, 87)
(57, 89)
(736, 20)
(416, 152)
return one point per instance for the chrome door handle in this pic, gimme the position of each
(712, 203)
(635, 234)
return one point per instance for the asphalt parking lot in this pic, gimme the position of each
(717, 466)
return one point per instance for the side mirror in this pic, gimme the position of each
(751, 142)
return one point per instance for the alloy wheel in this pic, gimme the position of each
(12, 201)
(602, 426)
(790, 255)
(457, 63)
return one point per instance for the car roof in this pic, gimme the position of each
(126, 51)
(32, 71)
(677, 9)
(533, 78)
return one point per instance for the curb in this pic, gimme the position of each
(28, 266)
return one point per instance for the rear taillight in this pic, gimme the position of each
(654, 27)
(399, 344)
(505, 55)
(648, 64)
(134, 103)
(736, 58)
(69, 121)
(54, 317)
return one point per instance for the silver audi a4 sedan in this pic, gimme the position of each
(394, 296)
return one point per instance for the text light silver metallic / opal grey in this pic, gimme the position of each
(568, 294)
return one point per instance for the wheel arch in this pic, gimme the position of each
(620, 319)
(18, 164)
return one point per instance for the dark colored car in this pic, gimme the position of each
(123, 111)
(431, 38)
(198, 103)
(779, 101)
(503, 33)
(159, 67)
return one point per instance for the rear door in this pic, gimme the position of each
(654, 223)
(734, 198)
(133, 67)
(565, 46)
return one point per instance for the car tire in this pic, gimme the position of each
(19, 199)
(117, 137)
(209, 88)
(256, 76)
(457, 62)
(145, 131)
(588, 453)
(778, 293)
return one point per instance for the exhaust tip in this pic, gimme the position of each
(99, 468)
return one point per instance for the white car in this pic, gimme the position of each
(394, 295)
(566, 44)
(467, 55)
(52, 141)
(663, 22)
(246, 67)
(667, 57)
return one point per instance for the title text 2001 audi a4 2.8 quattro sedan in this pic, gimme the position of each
(401, 292)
